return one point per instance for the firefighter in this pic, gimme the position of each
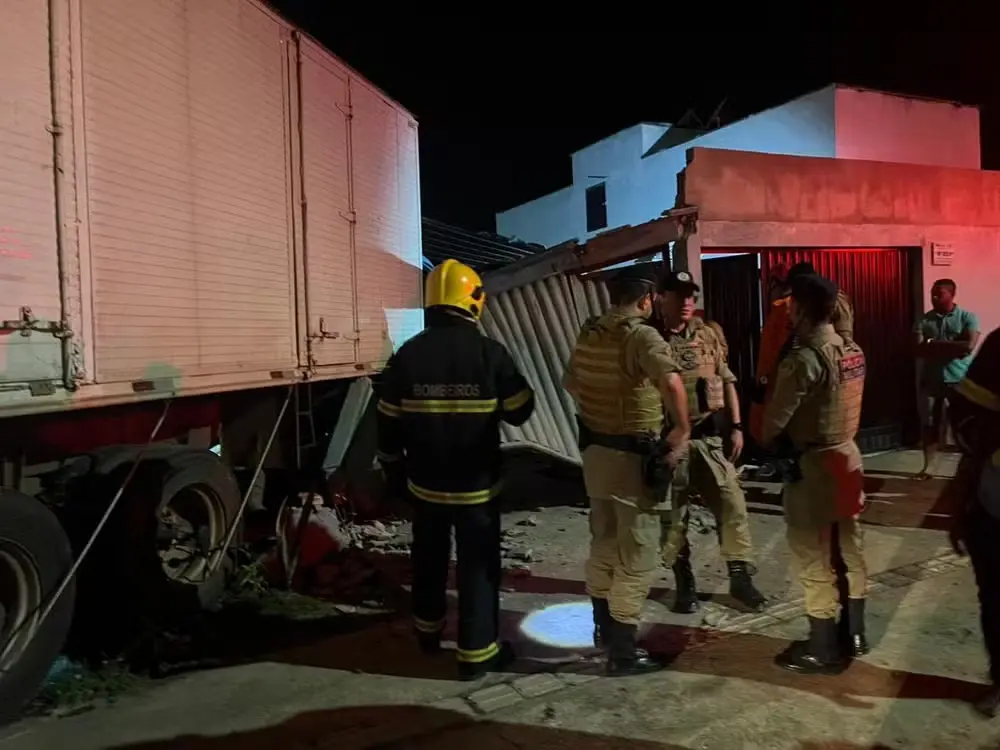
(776, 341)
(816, 407)
(714, 411)
(442, 398)
(621, 374)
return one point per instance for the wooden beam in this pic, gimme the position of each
(616, 246)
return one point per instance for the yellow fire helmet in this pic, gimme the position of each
(454, 284)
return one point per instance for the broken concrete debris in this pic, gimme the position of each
(390, 538)
(395, 538)
(701, 520)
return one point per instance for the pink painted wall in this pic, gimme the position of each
(883, 127)
(756, 200)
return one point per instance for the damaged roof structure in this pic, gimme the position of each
(479, 250)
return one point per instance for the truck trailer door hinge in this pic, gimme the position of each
(351, 216)
(347, 109)
(27, 324)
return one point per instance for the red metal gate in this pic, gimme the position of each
(878, 283)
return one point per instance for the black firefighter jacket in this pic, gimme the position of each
(442, 398)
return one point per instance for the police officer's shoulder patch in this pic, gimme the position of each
(852, 366)
(800, 358)
(789, 365)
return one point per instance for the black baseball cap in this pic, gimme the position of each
(645, 272)
(678, 281)
(814, 289)
(799, 269)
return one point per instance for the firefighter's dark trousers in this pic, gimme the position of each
(478, 574)
(982, 534)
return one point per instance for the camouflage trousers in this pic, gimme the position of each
(707, 473)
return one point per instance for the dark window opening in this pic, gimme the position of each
(597, 208)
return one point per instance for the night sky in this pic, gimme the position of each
(500, 114)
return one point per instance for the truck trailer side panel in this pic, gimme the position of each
(29, 267)
(328, 211)
(388, 219)
(239, 208)
(188, 186)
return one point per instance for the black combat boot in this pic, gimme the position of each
(819, 655)
(624, 656)
(473, 671)
(602, 620)
(741, 586)
(852, 629)
(686, 593)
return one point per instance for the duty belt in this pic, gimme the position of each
(656, 474)
(708, 427)
(639, 444)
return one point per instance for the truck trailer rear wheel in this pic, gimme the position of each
(35, 555)
(177, 511)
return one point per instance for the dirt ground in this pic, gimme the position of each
(302, 673)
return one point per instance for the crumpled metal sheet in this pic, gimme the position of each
(538, 322)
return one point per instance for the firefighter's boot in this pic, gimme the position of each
(474, 670)
(602, 619)
(820, 654)
(741, 586)
(430, 643)
(686, 591)
(852, 629)
(624, 655)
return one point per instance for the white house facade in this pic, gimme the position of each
(630, 177)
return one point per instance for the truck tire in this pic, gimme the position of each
(35, 555)
(192, 495)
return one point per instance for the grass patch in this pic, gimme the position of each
(286, 604)
(75, 687)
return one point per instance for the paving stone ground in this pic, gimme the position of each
(371, 689)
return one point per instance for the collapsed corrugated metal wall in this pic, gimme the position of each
(537, 306)
(539, 322)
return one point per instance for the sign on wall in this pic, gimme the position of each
(942, 253)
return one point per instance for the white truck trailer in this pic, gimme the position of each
(206, 222)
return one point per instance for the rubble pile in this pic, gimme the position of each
(386, 538)
(701, 520)
(515, 546)
(395, 538)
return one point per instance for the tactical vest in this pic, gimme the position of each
(696, 351)
(613, 401)
(843, 318)
(831, 415)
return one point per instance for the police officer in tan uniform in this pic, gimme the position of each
(778, 337)
(817, 407)
(714, 410)
(621, 374)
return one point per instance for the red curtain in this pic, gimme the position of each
(878, 283)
